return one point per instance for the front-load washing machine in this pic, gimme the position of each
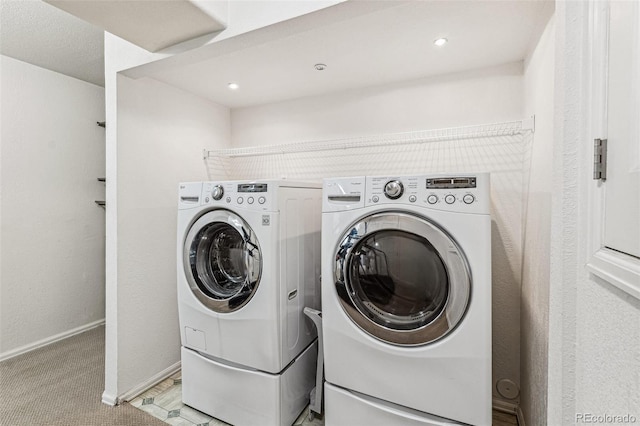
(248, 264)
(406, 300)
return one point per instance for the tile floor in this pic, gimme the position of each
(164, 401)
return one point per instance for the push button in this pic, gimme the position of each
(468, 198)
(449, 199)
(375, 199)
(240, 200)
(250, 200)
(432, 199)
(262, 200)
(412, 198)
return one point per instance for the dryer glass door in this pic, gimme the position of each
(401, 278)
(222, 260)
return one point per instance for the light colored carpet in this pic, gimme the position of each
(61, 385)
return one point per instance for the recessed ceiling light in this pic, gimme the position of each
(440, 41)
(233, 86)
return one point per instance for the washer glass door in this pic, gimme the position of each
(401, 278)
(222, 260)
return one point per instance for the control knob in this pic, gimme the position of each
(393, 189)
(217, 192)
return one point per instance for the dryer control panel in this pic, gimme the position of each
(465, 193)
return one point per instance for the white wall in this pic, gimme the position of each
(52, 232)
(471, 97)
(534, 315)
(474, 97)
(161, 133)
(594, 328)
(608, 349)
(118, 54)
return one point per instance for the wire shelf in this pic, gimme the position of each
(395, 139)
(491, 147)
(503, 149)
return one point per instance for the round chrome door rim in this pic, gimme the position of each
(452, 256)
(253, 265)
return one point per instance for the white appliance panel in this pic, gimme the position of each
(299, 266)
(351, 408)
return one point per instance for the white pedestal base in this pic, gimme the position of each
(245, 397)
(343, 407)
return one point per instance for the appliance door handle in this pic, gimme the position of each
(345, 198)
(188, 199)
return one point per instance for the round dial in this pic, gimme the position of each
(217, 192)
(393, 189)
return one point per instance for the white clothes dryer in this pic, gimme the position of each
(248, 258)
(406, 298)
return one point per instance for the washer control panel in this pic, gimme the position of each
(248, 195)
(463, 192)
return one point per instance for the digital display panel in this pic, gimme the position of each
(252, 187)
(452, 182)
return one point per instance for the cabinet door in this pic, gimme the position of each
(622, 202)
(614, 205)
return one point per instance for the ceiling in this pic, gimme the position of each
(378, 46)
(151, 24)
(40, 34)
(384, 43)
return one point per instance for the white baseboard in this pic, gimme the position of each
(152, 381)
(109, 399)
(510, 408)
(520, 416)
(49, 340)
(505, 406)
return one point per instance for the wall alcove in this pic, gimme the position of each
(385, 82)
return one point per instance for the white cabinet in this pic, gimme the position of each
(622, 211)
